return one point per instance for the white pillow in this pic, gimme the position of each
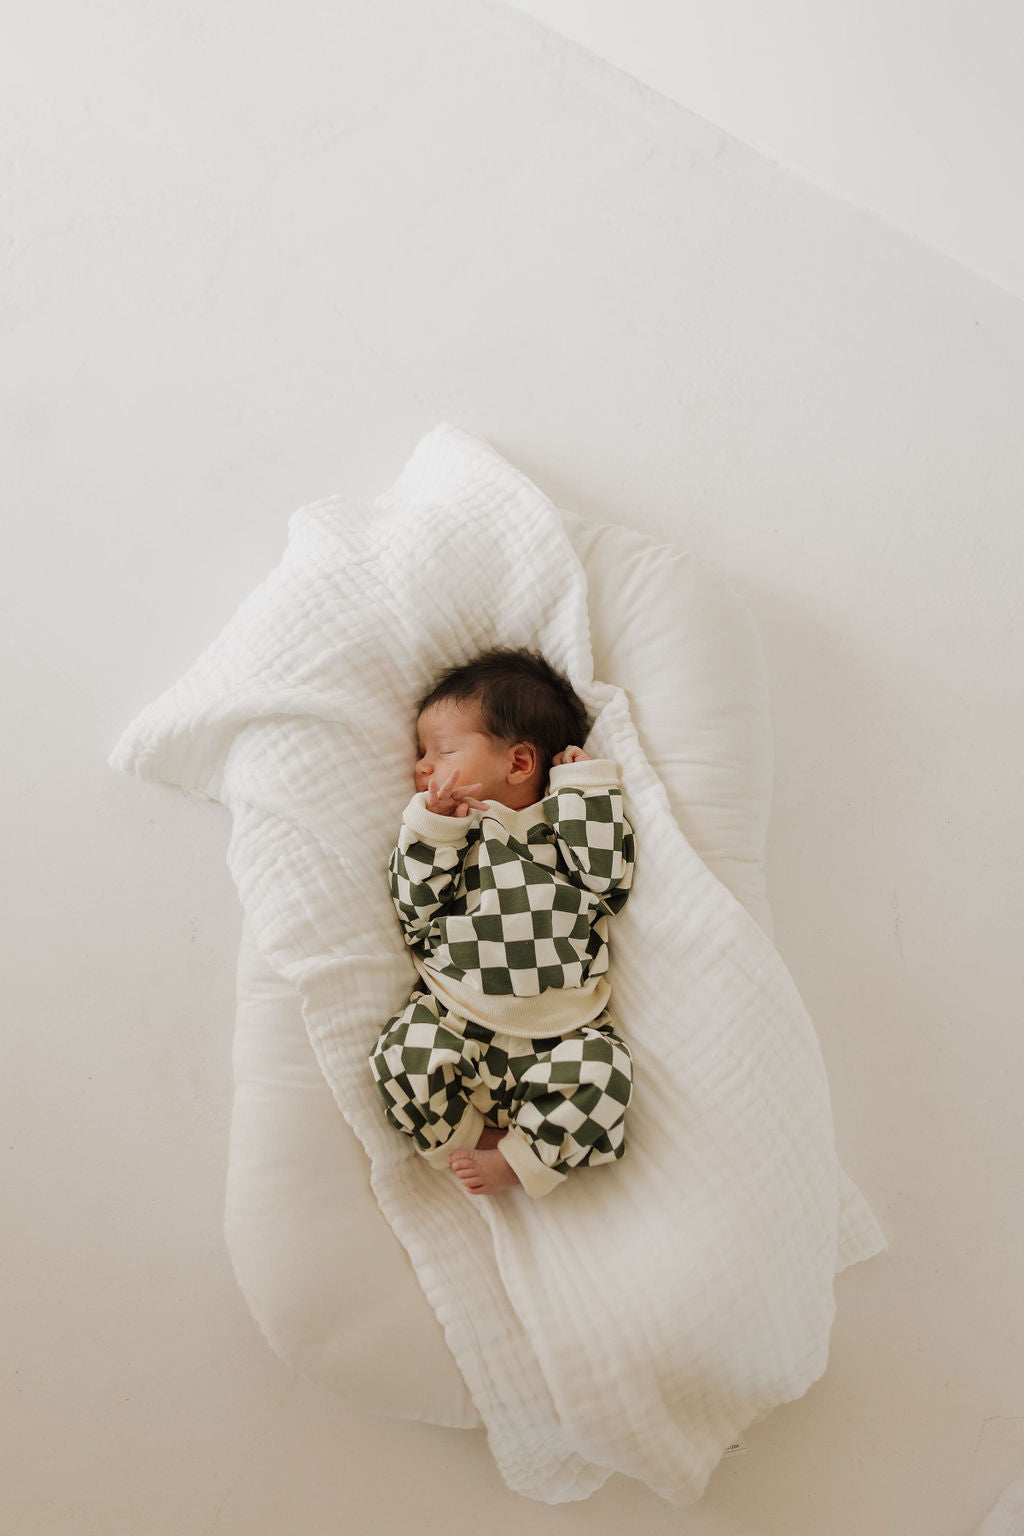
(671, 632)
(322, 1272)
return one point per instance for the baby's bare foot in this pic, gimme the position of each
(483, 1170)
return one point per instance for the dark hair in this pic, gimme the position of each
(520, 697)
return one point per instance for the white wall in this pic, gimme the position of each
(911, 108)
(252, 257)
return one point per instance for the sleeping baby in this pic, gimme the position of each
(513, 854)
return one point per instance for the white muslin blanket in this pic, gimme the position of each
(645, 1313)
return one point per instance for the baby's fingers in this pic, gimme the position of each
(441, 791)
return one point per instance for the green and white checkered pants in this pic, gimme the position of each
(566, 1095)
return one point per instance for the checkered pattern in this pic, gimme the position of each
(567, 1095)
(517, 915)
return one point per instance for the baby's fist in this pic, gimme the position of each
(570, 755)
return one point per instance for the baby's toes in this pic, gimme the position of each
(464, 1165)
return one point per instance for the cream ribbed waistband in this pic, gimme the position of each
(558, 1011)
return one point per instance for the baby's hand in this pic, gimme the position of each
(571, 755)
(452, 798)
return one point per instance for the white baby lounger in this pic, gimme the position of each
(318, 1264)
(338, 1233)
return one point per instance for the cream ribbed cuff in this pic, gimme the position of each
(464, 1137)
(432, 826)
(536, 1177)
(594, 773)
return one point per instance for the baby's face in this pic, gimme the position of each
(450, 736)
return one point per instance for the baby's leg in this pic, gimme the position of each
(420, 1065)
(571, 1101)
(482, 1168)
(565, 1101)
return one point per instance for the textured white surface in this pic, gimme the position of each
(656, 1308)
(252, 258)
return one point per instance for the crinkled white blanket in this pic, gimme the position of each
(644, 1314)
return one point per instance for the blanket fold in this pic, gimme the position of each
(646, 1312)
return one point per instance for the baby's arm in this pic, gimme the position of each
(584, 805)
(427, 860)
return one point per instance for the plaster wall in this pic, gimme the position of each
(911, 108)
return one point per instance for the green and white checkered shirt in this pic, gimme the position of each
(506, 912)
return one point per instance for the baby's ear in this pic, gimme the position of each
(525, 761)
